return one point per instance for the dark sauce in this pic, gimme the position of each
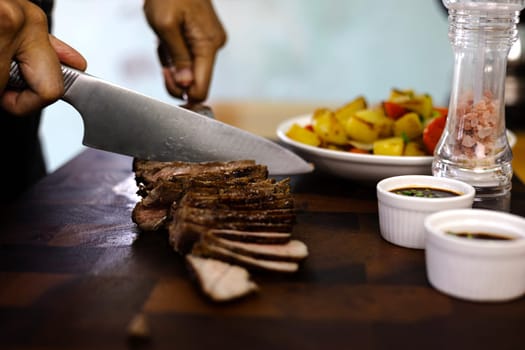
(482, 236)
(425, 192)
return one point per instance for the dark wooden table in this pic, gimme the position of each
(74, 271)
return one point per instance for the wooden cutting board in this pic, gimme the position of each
(75, 272)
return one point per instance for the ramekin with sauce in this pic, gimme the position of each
(476, 254)
(405, 201)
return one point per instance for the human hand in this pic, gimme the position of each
(190, 35)
(24, 38)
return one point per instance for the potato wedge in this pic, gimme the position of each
(303, 135)
(327, 127)
(414, 148)
(378, 119)
(408, 125)
(386, 126)
(392, 146)
(343, 113)
(420, 104)
(359, 130)
(400, 96)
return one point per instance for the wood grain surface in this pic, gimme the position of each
(75, 272)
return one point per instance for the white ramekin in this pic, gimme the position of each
(401, 217)
(471, 269)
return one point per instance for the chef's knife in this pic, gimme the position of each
(119, 120)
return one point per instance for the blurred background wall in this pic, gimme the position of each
(278, 50)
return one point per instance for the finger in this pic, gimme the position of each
(174, 52)
(203, 64)
(176, 46)
(164, 56)
(169, 81)
(181, 75)
(67, 54)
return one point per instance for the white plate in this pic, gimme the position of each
(356, 166)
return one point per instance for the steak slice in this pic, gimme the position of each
(142, 166)
(148, 174)
(213, 203)
(292, 250)
(183, 234)
(205, 249)
(233, 192)
(163, 194)
(251, 236)
(257, 195)
(219, 280)
(215, 217)
(149, 218)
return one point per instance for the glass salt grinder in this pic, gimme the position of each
(473, 147)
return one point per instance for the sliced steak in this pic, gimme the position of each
(219, 280)
(220, 215)
(292, 250)
(257, 195)
(149, 218)
(204, 249)
(213, 217)
(184, 233)
(209, 171)
(163, 194)
(252, 237)
(145, 168)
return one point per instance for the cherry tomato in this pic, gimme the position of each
(393, 110)
(432, 133)
(443, 111)
(358, 150)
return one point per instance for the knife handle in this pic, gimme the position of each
(16, 80)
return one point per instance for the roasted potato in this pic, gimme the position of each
(361, 131)
(392, 146)
(368, 125)
(393, 127)
(420, 104)
(414, 148)
(327, 127)
(303, 135)
(408, 125)
(345, 112)
(400, 96)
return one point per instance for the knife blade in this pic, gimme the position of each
(120, 120)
